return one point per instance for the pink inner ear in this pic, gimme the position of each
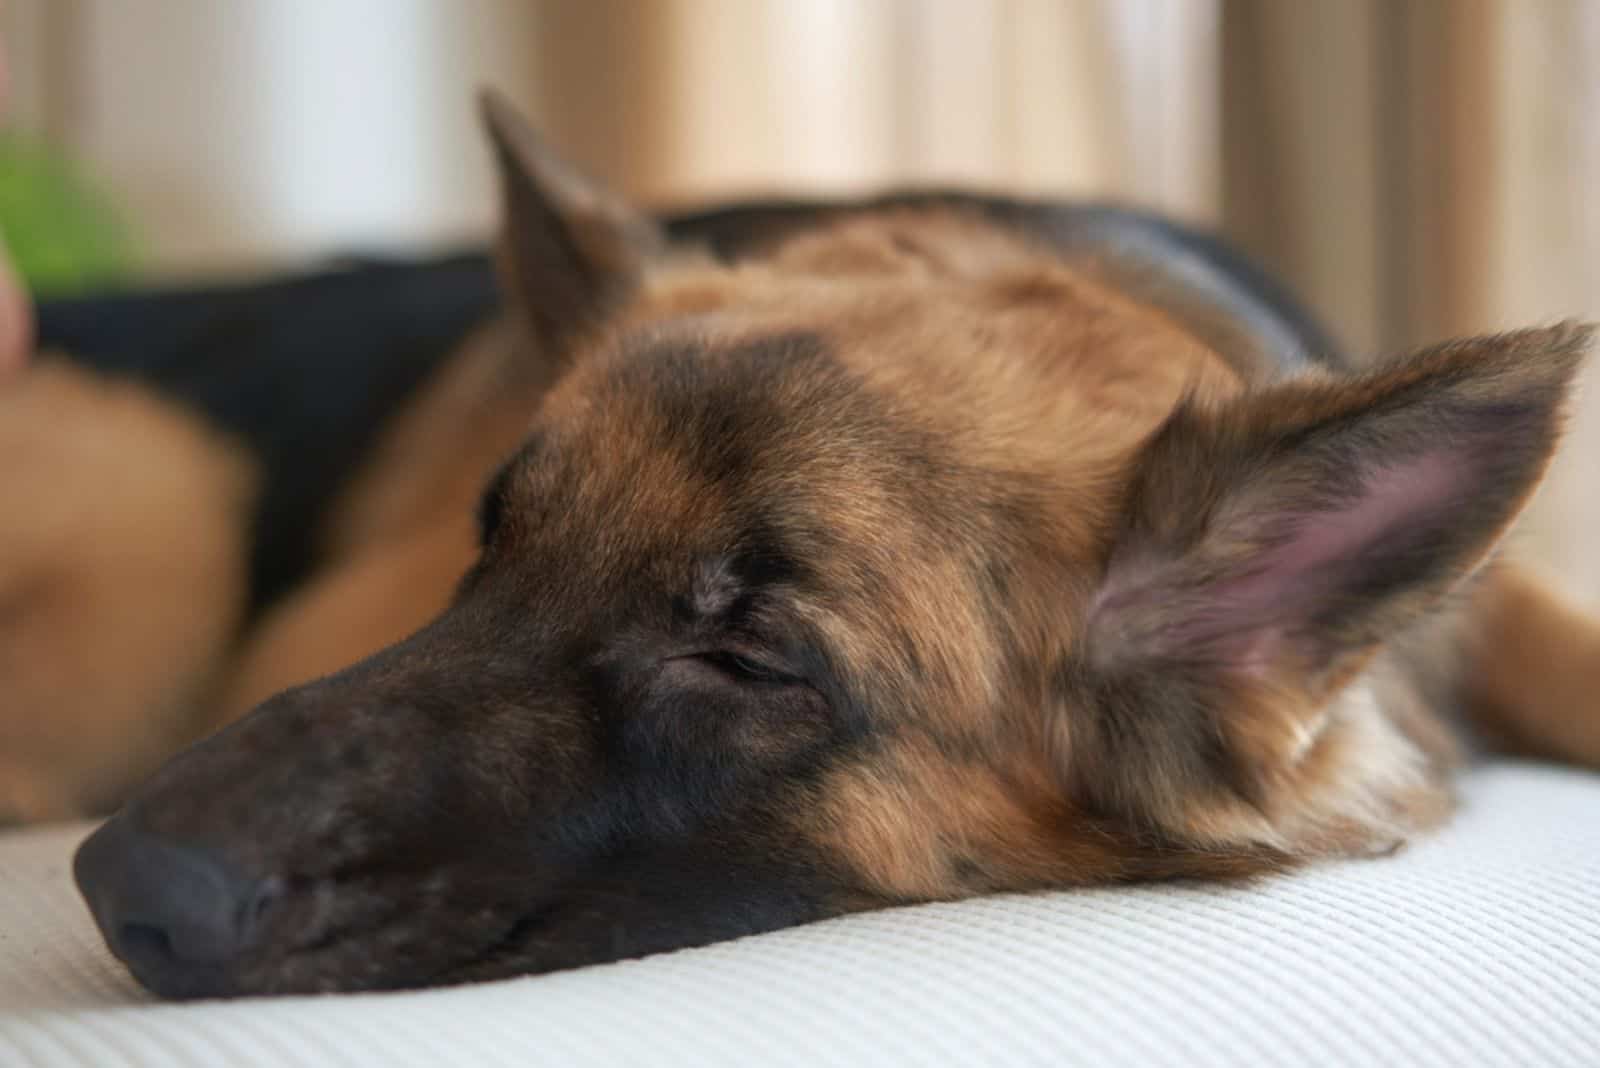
(1391, 497)
(1241, 617)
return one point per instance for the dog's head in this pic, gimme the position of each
(899, 562)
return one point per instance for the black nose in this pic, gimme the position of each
(174, 913)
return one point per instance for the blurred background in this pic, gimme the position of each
(1415, 169)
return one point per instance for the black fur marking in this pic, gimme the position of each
(724, 428)
(764, 559)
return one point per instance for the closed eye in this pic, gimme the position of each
(743, 668)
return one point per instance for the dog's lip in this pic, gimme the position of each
(465, 968)
(517, 930)
(262, 972)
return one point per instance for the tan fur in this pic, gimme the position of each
(1341, 778)
(122, 578)
(919, 825)
(1530, 673)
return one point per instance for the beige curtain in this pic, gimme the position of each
(679, 99)
(1415, 169)
(1426, 169)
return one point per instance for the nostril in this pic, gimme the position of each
(144, 941)
(257, 907)
(164, 904)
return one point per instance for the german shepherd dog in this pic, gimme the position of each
(832, 557)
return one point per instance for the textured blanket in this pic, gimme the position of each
(1479, 946)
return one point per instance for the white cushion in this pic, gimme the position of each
(1478, 946)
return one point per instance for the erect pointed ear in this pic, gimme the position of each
(569, 248)
(1271, 545)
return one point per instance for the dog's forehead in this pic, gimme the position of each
(743, 408)
(860, 381)
(667, 454)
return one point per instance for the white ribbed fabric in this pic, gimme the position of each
(1479, 946)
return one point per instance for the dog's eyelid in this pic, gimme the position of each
(742, 664)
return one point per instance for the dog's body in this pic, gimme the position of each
(847, 555)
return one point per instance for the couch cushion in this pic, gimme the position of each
(1478, 946)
